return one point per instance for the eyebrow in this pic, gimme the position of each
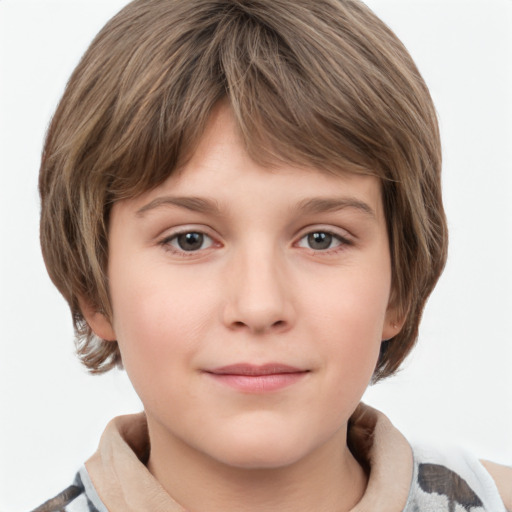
(332, 204)
(195, 204)
(309, 206)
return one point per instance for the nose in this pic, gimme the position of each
(259, 293)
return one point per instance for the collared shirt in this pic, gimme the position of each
(401, 479)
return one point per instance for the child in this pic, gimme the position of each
(241, 204)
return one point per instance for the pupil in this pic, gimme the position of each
(190, 241)
(319, 240)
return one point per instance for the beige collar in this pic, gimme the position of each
(124, 484)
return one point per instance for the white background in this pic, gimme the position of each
(456, 387)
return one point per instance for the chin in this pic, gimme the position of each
(261, 449)
(269, 457)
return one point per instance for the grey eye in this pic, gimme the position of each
(320, 240)
(191, 241)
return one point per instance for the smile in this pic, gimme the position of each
(249, 378)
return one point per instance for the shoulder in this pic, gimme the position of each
(78, 497)
(502, 475)
(451, 479)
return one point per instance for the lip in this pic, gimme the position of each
(249, 378)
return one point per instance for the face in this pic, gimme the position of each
(249, 304)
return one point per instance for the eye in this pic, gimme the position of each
(189, 241)
(321, 241)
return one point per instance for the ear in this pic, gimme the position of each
(97, 321)
(393, 323)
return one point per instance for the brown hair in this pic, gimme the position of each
(320, 83)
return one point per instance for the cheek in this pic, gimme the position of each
(347, 319)
(159, 321)
(354, 304)
(158, 340)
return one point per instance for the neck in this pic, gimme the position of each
(328, 479)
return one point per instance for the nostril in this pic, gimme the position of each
(279, 324)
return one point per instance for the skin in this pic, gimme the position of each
(260, 288)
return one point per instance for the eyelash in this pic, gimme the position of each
(167, 242)
(343, 242)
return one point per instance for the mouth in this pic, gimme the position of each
(249, 378)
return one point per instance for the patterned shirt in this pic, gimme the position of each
(400, 480)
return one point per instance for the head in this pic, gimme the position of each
(310, 84)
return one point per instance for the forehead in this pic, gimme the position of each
(220, 176)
